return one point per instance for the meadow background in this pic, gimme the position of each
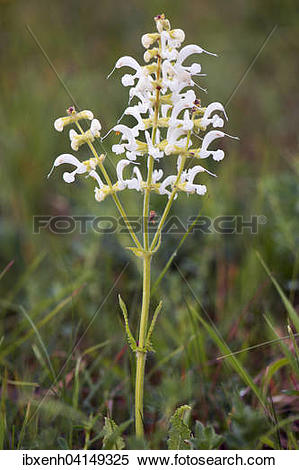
(217, 290)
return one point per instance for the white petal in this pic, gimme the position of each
(189, 50)
(218, 155)
(127, 133)
(178, 34)
(86, 114)
(70, 159)
(69, 177)
(127, 61)
(168, 181)
(72, 134)
(195, 69)
(200, 189)
(120, 168)
(157, 175)
(58, 124)
(208, 138)
(128, 80)
(146, 40)
(95, 127)
(118, 149)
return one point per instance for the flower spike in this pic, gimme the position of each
(168, 118)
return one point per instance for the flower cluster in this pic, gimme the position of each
(170, 121)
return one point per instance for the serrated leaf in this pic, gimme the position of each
(205, 438)
(130, 337)
(148, 343)
(179, 433)
(112, 439)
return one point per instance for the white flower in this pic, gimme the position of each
(152, 150)
(130, 147)
(69, 177)
(217, 155)
(148, 39)
(169, 181)
(163, 103)
(189, 50)
(215, 120)
(132, 183)
(79, 139)
(157, 175)
(60, 123)
(93, 174)
(136, 111)
(175, 141)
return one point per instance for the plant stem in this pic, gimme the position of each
(146, 290)
(172, 196)
(114, 196)
(141, 353)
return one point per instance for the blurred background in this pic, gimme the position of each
(53, 285)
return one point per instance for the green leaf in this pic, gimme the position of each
(130, 337)
(112, 439)
(179, 432)
(271, 370)
(291, 393)
(234, 362)
(289, 307)
(62, 443)
(148, 344)
(205, 438)
(247, 426)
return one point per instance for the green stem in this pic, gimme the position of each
(146, 290)
(168, 205)
(172, 196)
(114, 196)
(141, 353)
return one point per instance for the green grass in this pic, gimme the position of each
(65, 364)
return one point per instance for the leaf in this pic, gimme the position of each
(289, 307)
(205, 438)
(285, 349)
(291, 393)
(179, 433)
(148, 344)
(62, 443)
(271, 370)
(234, 362)
(130, 337)
(247, 426)
(112, 439)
